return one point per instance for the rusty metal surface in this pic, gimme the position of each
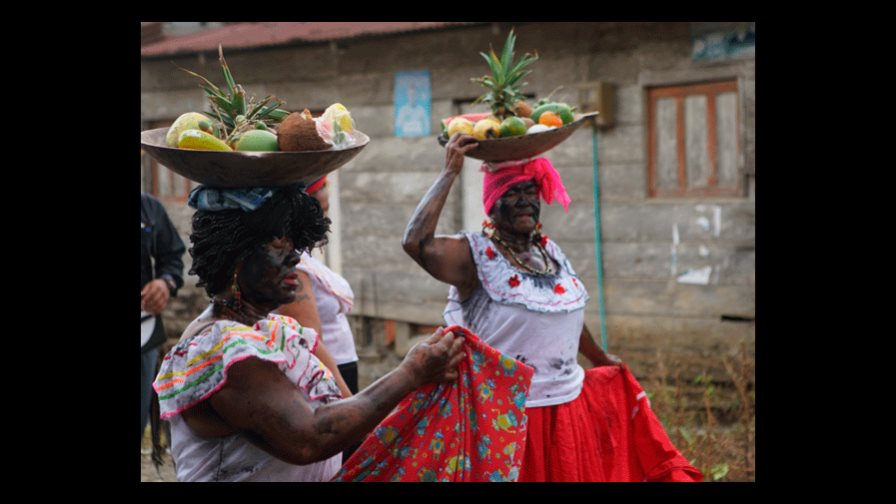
(249, 35)
(248, 169)
(524, 146)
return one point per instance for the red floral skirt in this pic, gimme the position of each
(472, 429)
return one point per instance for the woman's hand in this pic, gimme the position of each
(455, 149)
(435, 359)
(154, 296)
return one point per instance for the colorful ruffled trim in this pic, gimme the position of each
(196, 368)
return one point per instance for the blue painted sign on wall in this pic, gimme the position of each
(413, 103)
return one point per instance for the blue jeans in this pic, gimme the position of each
(148, 360)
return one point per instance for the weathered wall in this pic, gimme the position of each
(647, 308)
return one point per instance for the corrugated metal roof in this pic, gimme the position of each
(246, 35)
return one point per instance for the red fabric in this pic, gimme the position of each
(471, 430)
(608, 433)
(495, 183)
(316, 186)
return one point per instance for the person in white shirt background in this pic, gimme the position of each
(323, 300)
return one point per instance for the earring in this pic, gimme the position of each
(535, 232)
(237, 299)
(488, 227)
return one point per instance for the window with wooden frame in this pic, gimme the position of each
(693, 140)
(164, 183)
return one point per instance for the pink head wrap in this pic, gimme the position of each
(499, 177)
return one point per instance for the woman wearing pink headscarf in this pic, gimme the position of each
(513, 286)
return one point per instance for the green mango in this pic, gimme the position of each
(512, 126)
(257, 140)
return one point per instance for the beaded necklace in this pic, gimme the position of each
(548, 269)
(488, 227)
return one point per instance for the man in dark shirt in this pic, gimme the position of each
(161, 270)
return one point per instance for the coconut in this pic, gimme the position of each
(298, 132)
(522, 109)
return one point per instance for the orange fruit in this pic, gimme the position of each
(550, 119)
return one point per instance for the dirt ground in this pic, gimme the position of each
(148, 471)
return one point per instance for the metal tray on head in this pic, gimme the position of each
(524, 146)
(224, 169)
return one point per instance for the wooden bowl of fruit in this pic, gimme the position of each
(249, 142)
(225, 169)
(524, 146)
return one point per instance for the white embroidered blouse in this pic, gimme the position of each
(536, 319)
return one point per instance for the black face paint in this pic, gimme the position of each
(261, 279)
(519, 200)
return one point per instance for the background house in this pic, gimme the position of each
(676, 163)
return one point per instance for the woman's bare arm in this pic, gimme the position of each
(589, 348)
(446, 258)
(260, 402)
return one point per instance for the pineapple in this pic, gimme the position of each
(504, 83)
(234, 113)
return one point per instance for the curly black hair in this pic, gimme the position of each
(223, 238)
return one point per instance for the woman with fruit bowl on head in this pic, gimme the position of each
(514, 287)
(248, 393)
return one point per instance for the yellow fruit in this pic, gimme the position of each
(190, 120)
(200, 140)
(486, 128)
(460, 124)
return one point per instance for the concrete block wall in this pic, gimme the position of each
(648, 309)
